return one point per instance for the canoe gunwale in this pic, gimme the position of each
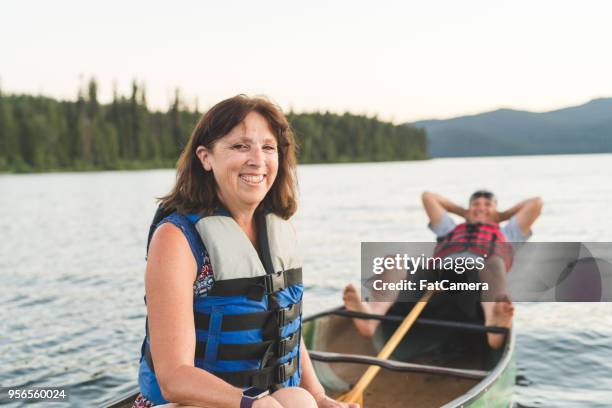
(341, 311)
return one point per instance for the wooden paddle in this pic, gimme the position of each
(356, 393)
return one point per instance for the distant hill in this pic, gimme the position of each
(579, 129)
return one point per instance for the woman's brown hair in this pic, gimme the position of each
(195, 190)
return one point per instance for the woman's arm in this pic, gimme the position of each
(309, 380)
(169, 278)
(311, 383)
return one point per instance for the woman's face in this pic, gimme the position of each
(244, 163)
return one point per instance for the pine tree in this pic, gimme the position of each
(8, 145)
(176, 123)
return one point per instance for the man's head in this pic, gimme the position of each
(482, 208)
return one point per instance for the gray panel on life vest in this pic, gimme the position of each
(283, 244)
(231, 253)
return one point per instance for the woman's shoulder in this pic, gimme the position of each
(164, 216)
(177, 219)
(168, 239)
(180, 221)
(173, 225)
(185, 222)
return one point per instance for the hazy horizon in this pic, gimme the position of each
(190, 106)
(398, 61)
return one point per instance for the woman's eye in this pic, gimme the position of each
(239, 146)
(270, 148)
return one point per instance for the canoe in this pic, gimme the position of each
(440, 363)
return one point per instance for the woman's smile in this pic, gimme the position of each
(252, 179)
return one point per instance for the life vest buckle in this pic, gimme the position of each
(288, 314)
(283, 371)
(285, 345)
(281, 316)
(274, 282)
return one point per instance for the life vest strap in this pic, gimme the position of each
(257, 287)
(251, 351)
(263, 378)
(480, 239)
(250, 321)
(484, 236)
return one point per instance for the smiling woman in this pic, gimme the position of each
(244, 163)
(224, 278)
(244, 126)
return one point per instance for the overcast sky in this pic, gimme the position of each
(401, 61)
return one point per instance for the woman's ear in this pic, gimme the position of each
(204, 156)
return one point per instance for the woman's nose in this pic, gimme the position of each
(255, 156)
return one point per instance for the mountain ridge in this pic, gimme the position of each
(585, 128)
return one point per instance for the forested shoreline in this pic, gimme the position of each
(39, 134)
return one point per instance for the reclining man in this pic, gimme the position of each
(481, 219)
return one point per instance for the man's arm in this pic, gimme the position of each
(436, 206)
(526, 212)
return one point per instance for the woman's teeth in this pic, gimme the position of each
(253, 179)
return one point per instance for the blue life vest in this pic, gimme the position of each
(248, 326)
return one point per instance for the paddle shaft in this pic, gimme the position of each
(355, 394)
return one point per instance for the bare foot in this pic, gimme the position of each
(498, 314)
(352, 301)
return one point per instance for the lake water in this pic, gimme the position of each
(72, 263)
